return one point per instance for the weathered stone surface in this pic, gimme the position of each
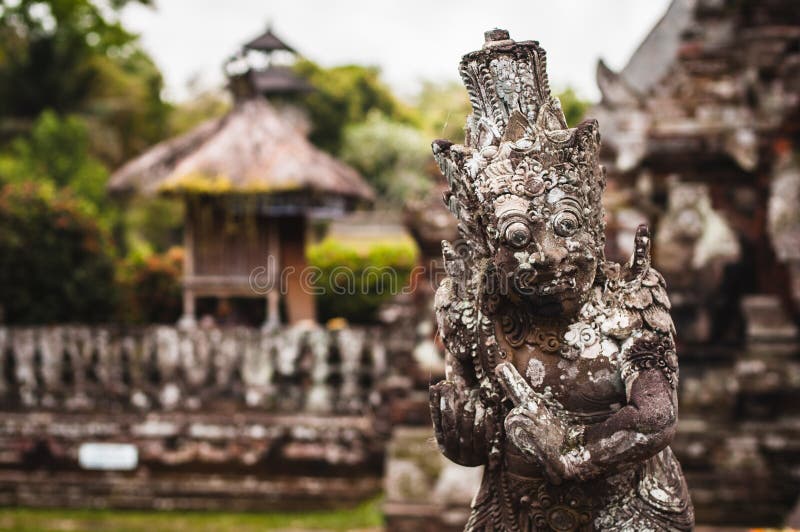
(424, 491)
(717, 110)
(561, 369)
(219, 419)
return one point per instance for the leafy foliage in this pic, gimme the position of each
(152, 225)
(72, 56)
(355, 280)
(344, 95)
(203, 106)
(124, 106)
(573, 106)
(151, 288)
(443, 108)
(392, 156)
(56, 152)
(56, 262)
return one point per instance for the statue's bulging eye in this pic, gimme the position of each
(517, 234)
(566, 223)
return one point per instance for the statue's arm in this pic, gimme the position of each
(649, 368)
(639, 430)
(463, 426)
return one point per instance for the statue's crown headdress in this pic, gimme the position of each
(517, 144)
(508, 79)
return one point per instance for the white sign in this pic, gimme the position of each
(108, 456)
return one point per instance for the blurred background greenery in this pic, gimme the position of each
(365, 517)
(79, 97)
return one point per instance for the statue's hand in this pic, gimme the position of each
(532, 426)
(464, 427)
(639, 263)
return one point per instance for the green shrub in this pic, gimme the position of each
(56, 262)
(151, 288)
(356, 278)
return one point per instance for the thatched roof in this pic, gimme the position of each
(251, 150)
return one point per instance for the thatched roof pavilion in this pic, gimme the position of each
(252, 150)
(250, 180)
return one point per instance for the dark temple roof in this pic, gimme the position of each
(268, 42)
(650, 61)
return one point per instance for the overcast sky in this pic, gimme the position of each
(410, 40)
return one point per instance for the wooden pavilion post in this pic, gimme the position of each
(188, 319)
(273, 319)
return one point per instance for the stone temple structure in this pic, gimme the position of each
(709, 98)
(700, 140)
(159, 417)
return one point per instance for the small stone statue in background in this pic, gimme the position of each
(561, 367)
(695, 246)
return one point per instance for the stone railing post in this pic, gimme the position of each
(351, 346)
(320, 398)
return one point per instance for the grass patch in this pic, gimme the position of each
(366, 516)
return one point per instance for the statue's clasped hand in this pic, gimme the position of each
(464, 427)
(531, 425)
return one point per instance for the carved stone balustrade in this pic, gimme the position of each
(74, 368)
(157, 417)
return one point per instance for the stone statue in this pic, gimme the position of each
(561, 367)
(695, 246)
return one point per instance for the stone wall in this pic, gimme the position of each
(157, 417)
(739, 432)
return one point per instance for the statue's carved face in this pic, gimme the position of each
(545, 252)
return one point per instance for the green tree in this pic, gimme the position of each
(74, 56)
(342, 96)
(56, 152)
(124, 106)
(152, 225)
(391, 155)
(356, 278)
(443, 108)
(56, 263)
(203, 106)
(573, 106)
